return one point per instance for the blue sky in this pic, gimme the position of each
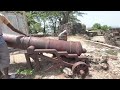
(110, 18)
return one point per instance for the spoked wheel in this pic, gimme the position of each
(80, 68)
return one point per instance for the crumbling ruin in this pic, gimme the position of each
(112, 36)
(73, 28)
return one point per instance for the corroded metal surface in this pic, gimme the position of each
(78, 64)
(80, 68)
(61, 50)
(40, 43)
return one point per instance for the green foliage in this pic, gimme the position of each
(25, 72)
(34, 26)
(105, 27)
(98, 26)
(50, 19)
(73, 16)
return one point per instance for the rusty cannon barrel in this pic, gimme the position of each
(23, 42)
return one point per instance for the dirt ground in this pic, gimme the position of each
(96, 51)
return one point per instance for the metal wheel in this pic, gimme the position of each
(80, 68)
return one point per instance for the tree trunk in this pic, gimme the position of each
(65, 18)
(54, 28)
(44, 28)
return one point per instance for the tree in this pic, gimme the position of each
(34, 26)
(96, 26)
(68, 20)
(43, 17)
(57, 18)
(104, 27)
(69, 16)
(50, 19)
(53, 20)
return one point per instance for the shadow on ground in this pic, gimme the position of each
(23, 66)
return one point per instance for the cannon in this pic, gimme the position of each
(66, 53)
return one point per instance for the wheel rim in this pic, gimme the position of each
(80, 68)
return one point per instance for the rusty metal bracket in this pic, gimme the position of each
(58, 60)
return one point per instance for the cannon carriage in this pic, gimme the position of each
(65, 53)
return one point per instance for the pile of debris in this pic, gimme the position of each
(112, 36)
